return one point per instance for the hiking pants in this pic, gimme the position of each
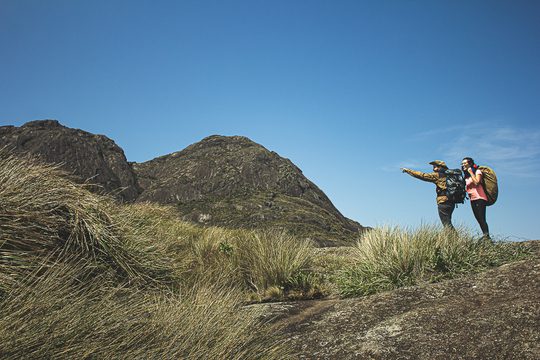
(479, 211)
(445, 213)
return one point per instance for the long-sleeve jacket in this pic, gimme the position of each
(437, 178)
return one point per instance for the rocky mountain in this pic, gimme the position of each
(95, 158)
(225, 181)
(235, 182)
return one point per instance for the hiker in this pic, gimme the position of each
(444, 205)
(477, 195)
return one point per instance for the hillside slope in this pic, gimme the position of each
(235, 182)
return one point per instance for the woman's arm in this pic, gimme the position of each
(476, 178)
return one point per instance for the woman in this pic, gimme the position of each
(477, 195)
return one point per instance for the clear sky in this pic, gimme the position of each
(350, 91)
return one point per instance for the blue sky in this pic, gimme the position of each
(350, 91)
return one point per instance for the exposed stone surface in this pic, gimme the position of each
(85, 155)
(235, 182)
(492, 315)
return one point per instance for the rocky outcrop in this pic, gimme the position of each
(235, 182)
(225, 181)
(92, 158)
(492, 315)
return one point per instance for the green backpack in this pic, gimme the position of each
(489, 182)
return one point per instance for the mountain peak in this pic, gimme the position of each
(233, 181)
(93, 158)
(48, 123)
(230, 142)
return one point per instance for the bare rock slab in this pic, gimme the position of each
(492, 315)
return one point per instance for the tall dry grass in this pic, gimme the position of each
(255, 261)
(84, 277)
(272, 258)
(44, 215)
(53, 316)
(391, 257)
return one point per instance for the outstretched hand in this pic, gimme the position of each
(404, 169)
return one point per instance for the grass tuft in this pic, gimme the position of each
(84, 277)
(46, 216)
(390, 257)
(54, 316)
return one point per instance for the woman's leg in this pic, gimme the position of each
(479, 211)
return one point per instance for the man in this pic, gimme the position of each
(445, 206)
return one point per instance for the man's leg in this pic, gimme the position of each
(445, 213)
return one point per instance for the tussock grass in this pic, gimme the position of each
(45, 215)
(52, 317)
(269, 259)
(84, 277)
(390, 257)
(255, 261)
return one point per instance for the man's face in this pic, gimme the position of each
(436, 168)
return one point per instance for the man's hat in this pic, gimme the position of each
(439, 163)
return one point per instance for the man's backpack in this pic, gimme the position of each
(490, 185)
(455, 185)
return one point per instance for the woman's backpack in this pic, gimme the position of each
(490, 185)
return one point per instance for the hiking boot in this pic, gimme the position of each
(487, 238)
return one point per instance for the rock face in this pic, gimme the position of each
(225, 181)
(234, 182)
(88, 156)
(492, 315)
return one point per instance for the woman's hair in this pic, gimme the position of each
(472, 164)
(469, 160)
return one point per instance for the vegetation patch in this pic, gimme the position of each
(84, 277)
(50, 316)
(389, 258)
